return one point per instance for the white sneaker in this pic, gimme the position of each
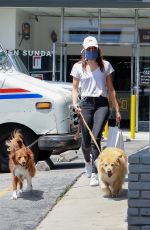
(94, 180)
(88, 169)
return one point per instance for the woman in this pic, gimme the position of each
(94, 75)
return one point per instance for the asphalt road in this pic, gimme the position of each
(28, 211)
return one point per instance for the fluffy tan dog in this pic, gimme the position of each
(112, 168)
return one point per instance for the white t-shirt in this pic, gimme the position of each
(93, 84)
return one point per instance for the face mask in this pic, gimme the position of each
(91, 54)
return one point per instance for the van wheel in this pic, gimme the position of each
(44, 155)
(28, 138)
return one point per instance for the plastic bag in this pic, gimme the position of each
(115, 138)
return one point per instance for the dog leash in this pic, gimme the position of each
(34, 142)
(90, 132)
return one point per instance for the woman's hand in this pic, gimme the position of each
(118, 117)
(77, 108)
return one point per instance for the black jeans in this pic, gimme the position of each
(95, 111)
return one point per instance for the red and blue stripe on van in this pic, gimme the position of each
(17, 93)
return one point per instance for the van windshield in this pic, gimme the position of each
(18, 64)
(5, 63)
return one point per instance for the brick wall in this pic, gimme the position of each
(139, 191)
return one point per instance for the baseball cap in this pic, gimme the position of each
(90, 41)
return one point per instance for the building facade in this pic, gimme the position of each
(48, 35)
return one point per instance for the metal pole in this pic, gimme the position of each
(133, 117)
(99, 25)
(106, 130)
(149, 120)
(137, 69)
(137, 90)
(54, 62)
(132, 61)
(65, 63)
(61, 42)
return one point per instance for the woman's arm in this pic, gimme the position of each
(112, 95)
(75, 94)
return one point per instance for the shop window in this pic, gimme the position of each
(76, 29)
(45, 68)
(117, 30)
(144, 103)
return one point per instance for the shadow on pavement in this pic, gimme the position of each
(68, 165)
(122, 196)
(34, 195)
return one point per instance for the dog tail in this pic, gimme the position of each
(15, 142)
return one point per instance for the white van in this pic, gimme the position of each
(40, 110)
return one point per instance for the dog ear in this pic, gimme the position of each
(13, 157)
(119, 159)
(30, 154)
(101, 160)
(20, 143)
(8, 143)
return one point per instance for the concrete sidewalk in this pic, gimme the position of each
(84, 207)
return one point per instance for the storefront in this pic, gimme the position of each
(124, 38)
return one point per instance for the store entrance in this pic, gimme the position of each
(144, 88)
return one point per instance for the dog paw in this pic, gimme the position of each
(14, 196)
(20, 192)
(107, 195)
(29, 188)
(114, 195)
(106, 191)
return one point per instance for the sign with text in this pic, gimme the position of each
(144, 35)
(145, 76)
(36, 62)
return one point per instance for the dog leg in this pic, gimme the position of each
(116, 188)
(105, 188)
(15, 181)
(21, 187)
(29, 183)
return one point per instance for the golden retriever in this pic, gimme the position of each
(21, 163)
(112, 168)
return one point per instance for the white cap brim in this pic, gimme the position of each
(90, 45)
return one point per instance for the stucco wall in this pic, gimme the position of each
(8, 28)
(42, 32)
(22, 17)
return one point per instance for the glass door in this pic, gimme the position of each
(144, 87)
